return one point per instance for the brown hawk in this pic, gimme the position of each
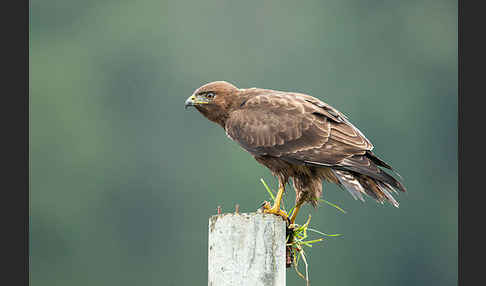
(300, 137)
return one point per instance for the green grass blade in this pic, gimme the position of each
(268, 189)
(333, 205)
(314, 241)
(311, 229)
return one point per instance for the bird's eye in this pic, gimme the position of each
(210, 95)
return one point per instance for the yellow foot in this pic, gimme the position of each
(294, 213)
(275, 209)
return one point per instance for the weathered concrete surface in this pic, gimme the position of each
(246, 249)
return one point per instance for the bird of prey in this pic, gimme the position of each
(297, 137)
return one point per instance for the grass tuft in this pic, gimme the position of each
(298, 235)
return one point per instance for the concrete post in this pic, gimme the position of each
(246, 249)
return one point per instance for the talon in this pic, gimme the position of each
(264, 205)
(274, 210)
(292, 226)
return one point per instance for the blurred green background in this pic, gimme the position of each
(123, 179)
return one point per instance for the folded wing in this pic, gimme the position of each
(301, 129)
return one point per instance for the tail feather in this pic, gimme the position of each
(361, 175)
(385, 191)
(372, 156)
(350, 183)
(364, 166)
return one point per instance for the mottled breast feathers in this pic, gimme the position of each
(294, 127)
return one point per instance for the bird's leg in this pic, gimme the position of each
(295, 212)
(275, 209)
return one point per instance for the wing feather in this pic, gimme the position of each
(295, 127)
(301, 129)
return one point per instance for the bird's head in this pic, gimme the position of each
(214, 100)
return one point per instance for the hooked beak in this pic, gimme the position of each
(194, 100)
(189, 101)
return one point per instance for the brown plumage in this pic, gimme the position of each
(300, 137)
